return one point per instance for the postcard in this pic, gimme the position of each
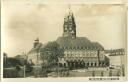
(63, 41)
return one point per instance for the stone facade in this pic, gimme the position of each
(33, 56)
(83, 58)
(79, 51)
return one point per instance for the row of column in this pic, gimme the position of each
(82, 64)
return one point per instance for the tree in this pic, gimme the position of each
(50, 53)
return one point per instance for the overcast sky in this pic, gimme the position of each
(23, 23)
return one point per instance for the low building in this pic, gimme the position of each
(117, 57)
(22, 58)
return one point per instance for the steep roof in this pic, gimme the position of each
(97, 45)
(78, 42)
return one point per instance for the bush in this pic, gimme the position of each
(12, 73)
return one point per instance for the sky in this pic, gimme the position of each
(22, 23)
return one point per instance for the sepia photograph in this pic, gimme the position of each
(64, 40)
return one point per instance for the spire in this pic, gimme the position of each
(69, 9)
(69, 6)
(69, 24)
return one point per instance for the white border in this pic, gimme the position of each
(71, 79)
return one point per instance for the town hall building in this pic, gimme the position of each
(79, 51)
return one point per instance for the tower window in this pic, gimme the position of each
(65, 28)
(70, 28)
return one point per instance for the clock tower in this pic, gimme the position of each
(69, 26)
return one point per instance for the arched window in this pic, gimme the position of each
(88, 64)
(77, 47)
(91, 64)
(95, 64)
